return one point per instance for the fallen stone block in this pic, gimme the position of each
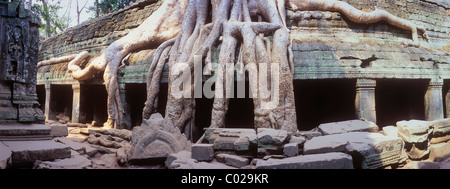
(182, 160)
(5, 156)
(239, 140)
(441, 131)
(421, 165)
(441, 127)
(79, 147)
(290, 150)
(334, 160)
(272, 136)
(348, 126)
(331, 143)
(59, 130)
(376, 151)
(390, 131)
(414, 131)
(416, 135)
(369, 150)
(439, 152)
(30, 151)
(75, 162)
(310, 134)
(203, 152)
(232, 160)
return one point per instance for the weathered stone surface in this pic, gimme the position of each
(157, 138)
(240, 140)
(414, 131)
(232, 160)
(333, 160)
(25, 132)
(390, 131)
(30, 151)
(300, 140)
(416, 135)
(347, 126)
(417, 151)
(370, 150)
(331, 143)
(203, 152)
(182, 160)
(376, 151)
(439, 152)
(59, 130)
(421, 165)
(310, 134)
(89, 130)
(5, 156)
(290, 150)
(75, 162)
(272, 136)
(441, 127)
(436, 140)
(79, 147)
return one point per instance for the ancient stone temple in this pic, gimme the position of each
(23, 136)
(374, 73)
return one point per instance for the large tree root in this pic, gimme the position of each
(253, 31)
(359, 16)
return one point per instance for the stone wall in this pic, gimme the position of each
(327, 45)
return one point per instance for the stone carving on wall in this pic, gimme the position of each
(18, 65)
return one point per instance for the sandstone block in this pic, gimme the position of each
(390, 131)
(59, 130)
(334, 160)
(421, 165)
(75, 162)
(203, 152)
(30, 151)
(5, 156)
(347, 126)
(232, 160)
(290, 150)
(439, 152)
(414, 131)
(370, 150)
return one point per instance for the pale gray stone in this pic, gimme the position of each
(348, 126)
(331, 143)
(439, 152)
(79, 147)
(414, 131)
(59, 130)
(203, 152)
(421, 165)
(232, 160)
(5, 156)
(290, 150)
(272, 136)
(183, 160)
(297, 139)
(441, 127)
(310, 134)
(30, 151)
(334, 160)
(75, 162)
(390, 131)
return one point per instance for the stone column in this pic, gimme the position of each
(447, 102)
(365, 99)
(47, 101)
(126, 122)
(434, 104)
(76, 103)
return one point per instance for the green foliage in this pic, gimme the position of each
(103, 7)
(52, 23)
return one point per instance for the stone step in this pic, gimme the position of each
(334, 160)
(23, 132)
(26, 152)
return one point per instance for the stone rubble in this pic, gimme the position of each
(416, 135)
(348, 126)
(235, 149)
